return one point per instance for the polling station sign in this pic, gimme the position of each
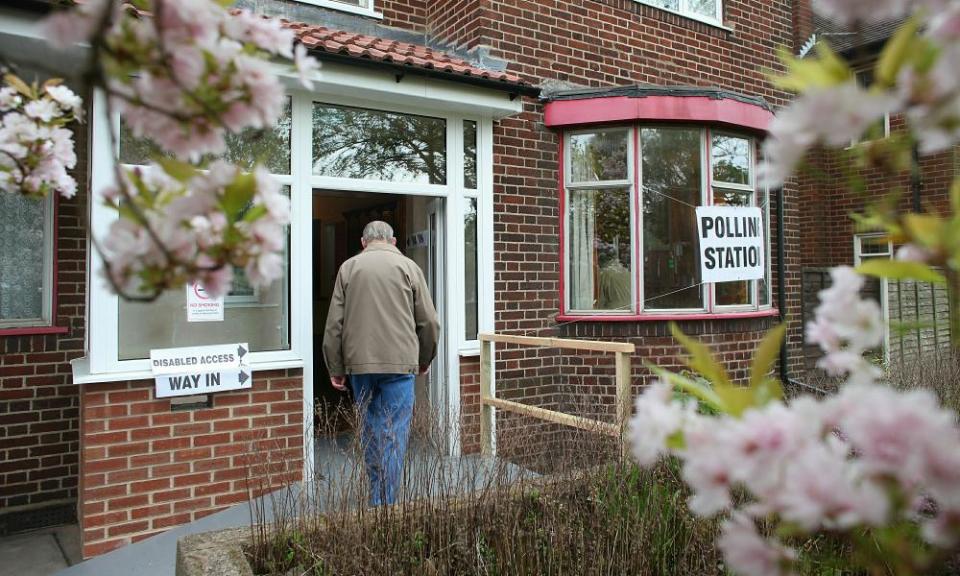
(201, 369)
(731, 243)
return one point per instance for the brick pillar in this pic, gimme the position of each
(145, 469)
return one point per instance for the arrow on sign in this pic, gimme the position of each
(241, 351)
(243, 377)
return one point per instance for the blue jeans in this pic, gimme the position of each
(385, 406)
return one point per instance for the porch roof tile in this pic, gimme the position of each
(371, 48)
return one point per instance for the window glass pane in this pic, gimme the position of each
(731, 159)
(668, 4)
(705, 8)
(470, 269)
(672, 176)
(360, 3)
(22, 258)
(733, 293)
(598, 156)
(469, 154)
(600, 267)
(377, 145)
(764, 284)
(260, 317)
(874, 245)
(270, 148)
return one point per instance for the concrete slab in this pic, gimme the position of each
(31, 554)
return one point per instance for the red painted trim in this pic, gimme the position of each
(649, 317)
(563, 226)
(701, 109)
(54, 281)
(55, 261)
(637, 221)
(33, 331)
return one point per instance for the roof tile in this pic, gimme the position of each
(366, 47)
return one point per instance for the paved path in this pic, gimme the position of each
(41, 552)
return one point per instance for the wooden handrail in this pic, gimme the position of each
(563, 343)
(489, 401)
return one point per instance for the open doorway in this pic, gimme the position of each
(338, 221)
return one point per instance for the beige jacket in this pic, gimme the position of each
(381, 318)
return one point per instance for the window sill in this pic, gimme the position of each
(333, 5)
(33, 330)
(671, 316)
(82, 374)
(469, 352)
(694, 17)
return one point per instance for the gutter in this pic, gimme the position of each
(401, 70)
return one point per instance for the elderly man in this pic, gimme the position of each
(381, 331)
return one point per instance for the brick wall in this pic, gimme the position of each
(147, 469)
(38, 401)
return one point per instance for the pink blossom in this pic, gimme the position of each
(913, 253)
(306, 66)
(657, 417)
(749, 554)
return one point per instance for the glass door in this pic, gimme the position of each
(436, 276)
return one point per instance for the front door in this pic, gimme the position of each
(435, 278)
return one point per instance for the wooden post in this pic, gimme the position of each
(624, 396)
(487, 422)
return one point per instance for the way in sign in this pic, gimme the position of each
(202, 383)
(193, 381)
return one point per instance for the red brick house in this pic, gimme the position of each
(827, 201)
(550, 158)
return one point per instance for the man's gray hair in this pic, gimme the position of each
(377, 231)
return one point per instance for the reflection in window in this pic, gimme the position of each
(270, 148)
(469, 154)
(731, 159)
(378, 145)
(671, 168)
(470, 270)
(705, 8)
(598, 156)
(23, 259)
(260, 318)
(600, 244)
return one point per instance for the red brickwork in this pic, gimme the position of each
(38, 401)
(147, 469)
(408, 14)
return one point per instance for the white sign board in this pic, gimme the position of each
(731, 243)
(202, 307)
(201, 369)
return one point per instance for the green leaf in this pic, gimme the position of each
(736, 399)
(901, 270)
(805, 73)
(767, 391)
(17, 84)
(177, 169)
(924, 229)
(701, 359)
(237, 195)
(696, 389)
(766, 354)
(955, 196)
(896, 52)
(255, 212)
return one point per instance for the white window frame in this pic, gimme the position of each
(368, 9)
(46, 312)
(858, 257)
(684, 10)
(635, 185)
(751, 187)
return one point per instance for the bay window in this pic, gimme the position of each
(630, 199)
